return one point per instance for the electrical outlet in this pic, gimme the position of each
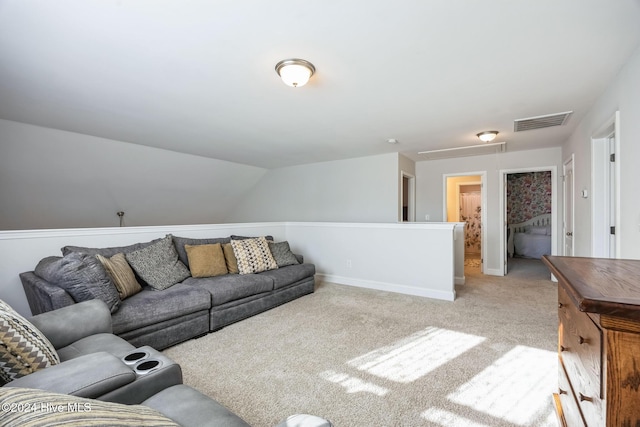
(426, 217)
(348, 263)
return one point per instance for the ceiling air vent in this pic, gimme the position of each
(540, 122)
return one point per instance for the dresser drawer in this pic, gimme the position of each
(580, 347)
(581, 351)
(569, 411)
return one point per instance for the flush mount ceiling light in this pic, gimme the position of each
(295, 72)
(488, 135)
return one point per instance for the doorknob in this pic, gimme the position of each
(569, 233)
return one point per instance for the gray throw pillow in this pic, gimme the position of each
(282, 254)
(158, 264)
(82, 276)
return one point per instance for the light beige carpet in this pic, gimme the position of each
(362, 357)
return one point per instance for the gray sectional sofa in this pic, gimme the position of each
(190, 308)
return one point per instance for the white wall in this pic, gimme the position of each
(364, 189)
(416, 259)
(430, 184)
(56, 179)
(624, 95)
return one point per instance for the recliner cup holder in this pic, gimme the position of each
(135, 357)
(147, 366)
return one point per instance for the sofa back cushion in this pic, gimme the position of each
(82, 276)
(108, 252)
(180, 242)
(24, 349)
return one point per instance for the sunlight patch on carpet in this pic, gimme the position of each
(515, 387)
(416, 355)
(352, 384)
(448, 419)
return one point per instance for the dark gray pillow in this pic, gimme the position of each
(158, 264)
(282, 254)
(82, 276)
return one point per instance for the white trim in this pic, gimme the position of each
(71, 232)
(570, 160)
(390, 225)
(459, 280)
(494, 272)
(388, 287)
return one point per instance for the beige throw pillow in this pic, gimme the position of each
(121, 274)
(253, 255)
(206, 260)
(230, 258)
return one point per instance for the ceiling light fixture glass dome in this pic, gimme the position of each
(295, 72)
(487, 136)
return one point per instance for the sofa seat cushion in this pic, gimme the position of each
(231, 287)
(150, 306)
(290, 274)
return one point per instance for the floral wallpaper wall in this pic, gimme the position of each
(528, 195)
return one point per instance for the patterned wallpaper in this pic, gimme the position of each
(528, 195)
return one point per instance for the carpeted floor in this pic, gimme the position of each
(362, 357)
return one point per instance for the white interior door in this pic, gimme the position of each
(568, 207)
(612, 197)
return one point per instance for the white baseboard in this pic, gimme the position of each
(494, 272)
(459, 280)
(388, 287)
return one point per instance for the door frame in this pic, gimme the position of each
(565, 203)
(502, 174)
(600, 194)
(483, 195)
(411, 196)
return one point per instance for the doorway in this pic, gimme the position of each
(407, 197)
(528, 217)
(605, 197)
(465, 201)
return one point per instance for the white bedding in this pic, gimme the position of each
(532, 245)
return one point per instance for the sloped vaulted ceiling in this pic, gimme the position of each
(198, 77)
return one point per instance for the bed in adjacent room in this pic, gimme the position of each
(530, 239)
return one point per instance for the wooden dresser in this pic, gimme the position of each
(598, 341)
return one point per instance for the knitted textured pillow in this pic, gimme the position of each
(23, 348)
(253, 255)
(158, 264)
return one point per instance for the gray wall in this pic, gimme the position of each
(364, 189)
(430, 184)
(57, 179)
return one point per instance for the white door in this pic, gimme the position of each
(568, 207)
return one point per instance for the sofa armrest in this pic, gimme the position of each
(300, 258)
(90, 376)
(42, 295)
(67, 325)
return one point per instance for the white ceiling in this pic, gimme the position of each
(198, 76)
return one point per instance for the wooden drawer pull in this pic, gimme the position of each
(584, 398)
(561, 391)
(563, 348)
(560, 305)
